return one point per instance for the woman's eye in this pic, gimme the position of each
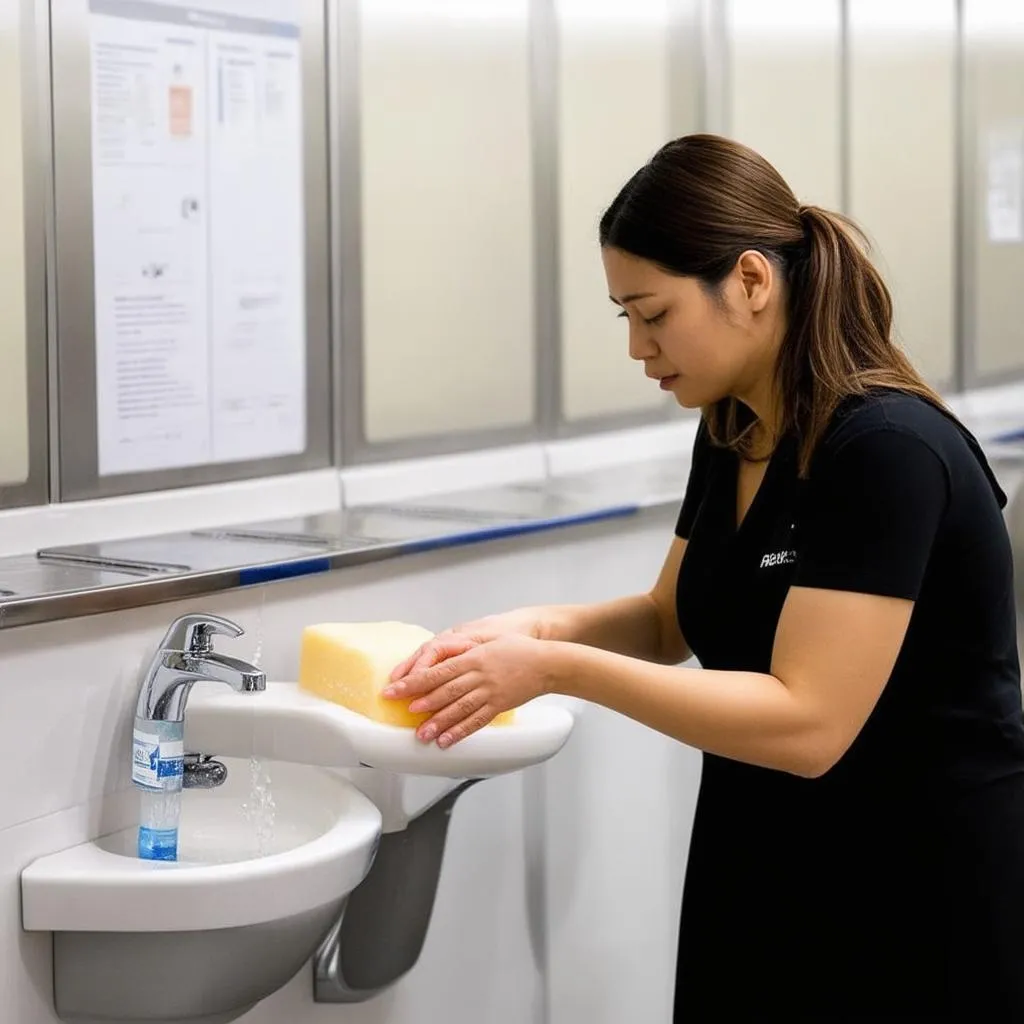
(652, 321)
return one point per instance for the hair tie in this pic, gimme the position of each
(806, 214)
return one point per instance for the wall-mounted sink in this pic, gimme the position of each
(379, 934)
(251, 898)
(205, 938)
(286, 723)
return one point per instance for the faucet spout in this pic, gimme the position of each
(173, 673)
(238, 674)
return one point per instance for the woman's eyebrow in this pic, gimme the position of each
(630, 298)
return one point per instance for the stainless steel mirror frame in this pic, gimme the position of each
(684, 99)
(344, 104)
(60, 430)
(75, 305)
(32, 26)
(343, 35)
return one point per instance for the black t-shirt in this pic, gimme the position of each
(892, 887)
(900, 501)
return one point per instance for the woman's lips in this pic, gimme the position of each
(666, 382)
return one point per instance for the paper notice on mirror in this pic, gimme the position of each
(1005, 185)
(198, 233)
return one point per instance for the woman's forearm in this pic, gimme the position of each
(630, 626)
(745, 716)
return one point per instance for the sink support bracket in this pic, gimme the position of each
(380, 932)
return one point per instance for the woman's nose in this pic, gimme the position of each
(641, 345)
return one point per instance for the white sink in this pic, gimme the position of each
(205, 938)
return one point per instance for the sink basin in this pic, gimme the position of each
(205, 938)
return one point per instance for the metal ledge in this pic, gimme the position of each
(72, 581)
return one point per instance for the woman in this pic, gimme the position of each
(842, 573)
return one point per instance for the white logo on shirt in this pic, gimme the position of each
(779, 558)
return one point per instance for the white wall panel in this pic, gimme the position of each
(13, 331)
(783, 90)
(903, 164)
(614, 112)
(447, 216)
(995, 137)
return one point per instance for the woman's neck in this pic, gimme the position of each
(766, 431)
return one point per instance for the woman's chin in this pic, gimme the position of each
(688, 400)
(689, 397)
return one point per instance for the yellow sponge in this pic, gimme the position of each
(349, 663)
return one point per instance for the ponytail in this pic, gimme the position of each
(839, 341)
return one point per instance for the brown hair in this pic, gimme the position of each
(699, 204)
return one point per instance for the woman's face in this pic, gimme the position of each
(698, 346)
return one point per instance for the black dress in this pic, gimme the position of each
(892, 887)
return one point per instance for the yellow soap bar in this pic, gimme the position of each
(349, 663)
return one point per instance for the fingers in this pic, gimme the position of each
(438, 649)
(466, 716)
(425, 656)
(442, 679)
(422, 681)
(466, 728)
(445, 693)
(403, 668)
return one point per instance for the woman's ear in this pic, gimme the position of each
(757, 276)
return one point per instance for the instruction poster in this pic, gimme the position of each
(198, 225)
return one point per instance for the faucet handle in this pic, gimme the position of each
(194, 633)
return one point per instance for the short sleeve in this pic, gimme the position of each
(870, 514)
(697, 484)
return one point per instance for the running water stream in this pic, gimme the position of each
(259, 809)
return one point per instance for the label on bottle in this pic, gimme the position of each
(154, 761)
(172, 759)
(146, 759)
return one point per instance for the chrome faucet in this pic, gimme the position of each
(185, 657)
(202, 771)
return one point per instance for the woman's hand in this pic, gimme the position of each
(521, 622)
(468, 689)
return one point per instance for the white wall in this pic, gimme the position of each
(560, 888)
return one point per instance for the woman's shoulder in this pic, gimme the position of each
(872, 420)
(888, 411)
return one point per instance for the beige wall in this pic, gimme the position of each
(613, 88)
(995, 123)
(903, 164)
(783, 90)
(13, 381)
(447, 217)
